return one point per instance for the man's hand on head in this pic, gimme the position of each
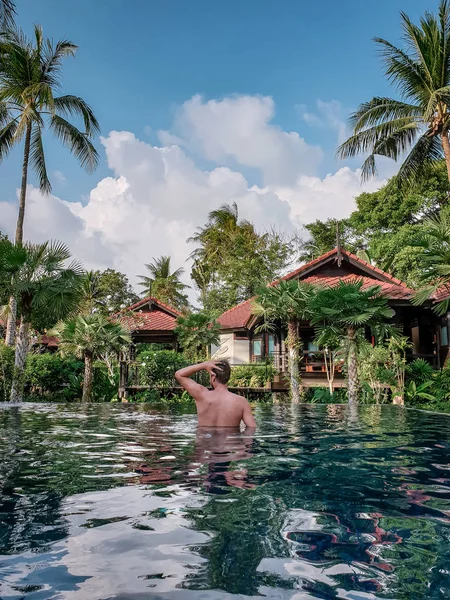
(211, 366)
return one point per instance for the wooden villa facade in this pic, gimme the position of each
(241, 344)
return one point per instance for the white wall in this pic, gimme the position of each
(236, 351)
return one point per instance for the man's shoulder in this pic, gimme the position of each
(237, 398)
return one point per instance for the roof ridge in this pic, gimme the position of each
(150, 299)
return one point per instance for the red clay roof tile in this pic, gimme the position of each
(238, 315)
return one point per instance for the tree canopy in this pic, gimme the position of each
(418, 124)
(233, 260)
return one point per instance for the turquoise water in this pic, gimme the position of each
(125, 502)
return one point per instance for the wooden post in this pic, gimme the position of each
(123, 377)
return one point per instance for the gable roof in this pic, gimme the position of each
(149, 314)
(238, 316)
(151, 301)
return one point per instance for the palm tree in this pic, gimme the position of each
(434, 240)
(197, 332)
(346, 311)
(418, 123)
(41, 282)
(30, 74)
(220, 232)
(288, 302)
(164, 285)
(7, 12)
(90, 337)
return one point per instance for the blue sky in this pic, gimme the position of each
(140, 62)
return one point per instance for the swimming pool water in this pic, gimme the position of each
(127, 502)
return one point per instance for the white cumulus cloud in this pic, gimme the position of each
(156, 197)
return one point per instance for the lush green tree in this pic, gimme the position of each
(287, 302)
(323, 238)
(115, 291)
(164, 284)
(419, 123)
(197, 332)
(397, 253)
(107, 292)
(30, 73)
(232, 260)
(91, 337)
(391, 207)
(346, 310)
(433, 242)
(40, 280)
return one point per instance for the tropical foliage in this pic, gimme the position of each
(164, 284)
(419, 123)
(232, 260)
(40, 280)
(433, 240)
(30, 74)
(91, 337)
(345, 311)
(286, 304)
(197, 332)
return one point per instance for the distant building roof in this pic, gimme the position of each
(149, 314)
(238, 316)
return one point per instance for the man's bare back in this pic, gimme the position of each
(217, 407)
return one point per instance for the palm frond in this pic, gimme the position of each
(75, 106)
(37, 159)
(77, 142)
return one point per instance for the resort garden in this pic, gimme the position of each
(364, 318)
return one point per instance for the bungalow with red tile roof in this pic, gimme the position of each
(242, 344)
(151, 321)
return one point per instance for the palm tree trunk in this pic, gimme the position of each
(293, 343)
(22, 346)
(88, 377)
(446, 147)
(352, 368)
(12, 315)
(11, 322)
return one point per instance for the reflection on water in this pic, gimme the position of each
(124, 502)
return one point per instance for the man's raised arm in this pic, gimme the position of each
(183, 376)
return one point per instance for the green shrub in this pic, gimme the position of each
(6, 370)
(104, 389)
(419, 371)
(251, 375)
(147, 396)
(321, 395)
(158, 368)
(48, 374)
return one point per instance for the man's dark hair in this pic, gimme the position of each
(222, 372)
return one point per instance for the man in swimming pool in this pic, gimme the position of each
(217, 407)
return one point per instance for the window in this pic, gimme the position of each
(256, 347)
(271, 345)
(312, 347)
(444, 335)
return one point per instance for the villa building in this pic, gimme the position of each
(241, 343)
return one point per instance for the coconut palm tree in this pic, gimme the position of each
(90, 337)
(346, 311)
(197, 332)
(288, 302)
(419, 122)
(41, 281)
(7, 13)
(163, 284)
(434, 240)
(30, 72)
